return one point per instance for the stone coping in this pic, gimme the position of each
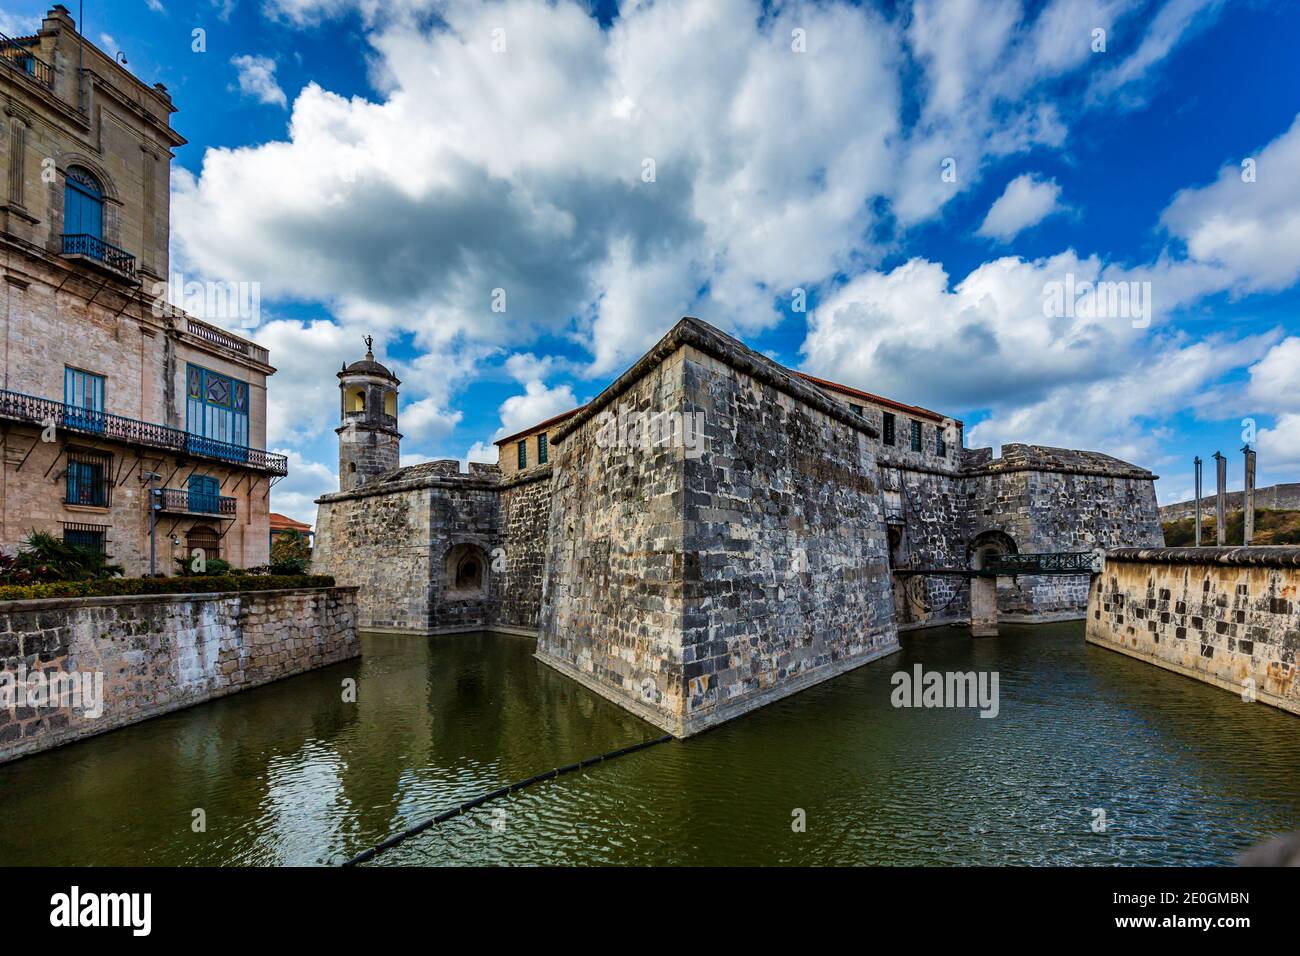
(460, 480)
(694, 332)
(111, 600)
(1255, 556)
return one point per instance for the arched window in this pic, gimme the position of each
(83, 204)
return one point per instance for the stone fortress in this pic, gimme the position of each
(713, 531)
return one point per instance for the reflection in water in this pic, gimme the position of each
(289, 773)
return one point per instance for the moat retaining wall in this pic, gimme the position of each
(1226, 616)
(159, 653)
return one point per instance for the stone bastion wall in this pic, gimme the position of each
(154, 654)
(1226, 616)
(397, 539)
(691, 585)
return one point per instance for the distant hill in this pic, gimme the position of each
(1271, 527)
(1284, 497)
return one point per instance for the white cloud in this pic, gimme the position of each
(307, 480)
(536, 404)
(1275, 379)
(483, 453)
(1249, 231)
(1175, 21)
(15, 25)
(524, 170)
(156, 6)
(257, 79)
(1025, 202)
(1099, 383)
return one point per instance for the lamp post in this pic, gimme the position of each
(155, 502)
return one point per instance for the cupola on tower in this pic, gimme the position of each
(369, 443)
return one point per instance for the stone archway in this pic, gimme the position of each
(984, 590)
(989, 543)
(464, 573)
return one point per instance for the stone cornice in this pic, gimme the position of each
(1255, 556)
(715, 343)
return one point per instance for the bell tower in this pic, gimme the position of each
(369, 443)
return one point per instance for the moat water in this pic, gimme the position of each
(290, 774)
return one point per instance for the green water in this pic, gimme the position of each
(289, 773)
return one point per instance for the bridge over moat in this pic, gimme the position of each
(989, 567)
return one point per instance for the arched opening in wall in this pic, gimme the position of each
(390, 404)
(464, 573)
(357, 400)
(988, 544)
(205, 539)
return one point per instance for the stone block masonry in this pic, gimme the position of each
(160, 653)
(693, 588)
(1226, 616)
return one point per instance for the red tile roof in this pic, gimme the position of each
(281, 522)
(875, 399)
(539, 426)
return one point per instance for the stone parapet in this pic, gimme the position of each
(1225, 616)
(150, 655)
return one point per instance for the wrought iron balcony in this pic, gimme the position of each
(16, 406)
(105, 253)
(180, 501)
(17, 55)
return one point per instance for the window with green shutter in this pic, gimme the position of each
(855, 408)
(523, 454)
(889, 428)
(541, 448)
(940, 445)
(916, 435)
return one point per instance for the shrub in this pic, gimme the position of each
(290, 550)
(217, 566)
(194, 584)
(43, 558)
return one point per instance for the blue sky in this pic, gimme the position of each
(384, 167)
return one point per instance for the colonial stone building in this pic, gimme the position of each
(111, 398)
(714, 531)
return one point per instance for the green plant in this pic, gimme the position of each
(219, 566)
(194, 584)
(43, 558)
(289, 553)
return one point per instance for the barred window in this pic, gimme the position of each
(889, 428)
(541, 448)
(940, 445)
(89, 536)
(523, 454)
(88, 479)
(916, 435)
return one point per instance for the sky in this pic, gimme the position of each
(518, 198)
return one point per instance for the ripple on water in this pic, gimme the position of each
(288, 773)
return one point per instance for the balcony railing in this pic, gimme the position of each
(16, 406)
(17, 55)
(1063, 562)
(92, 247)
(216, 336)
(179, 501)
